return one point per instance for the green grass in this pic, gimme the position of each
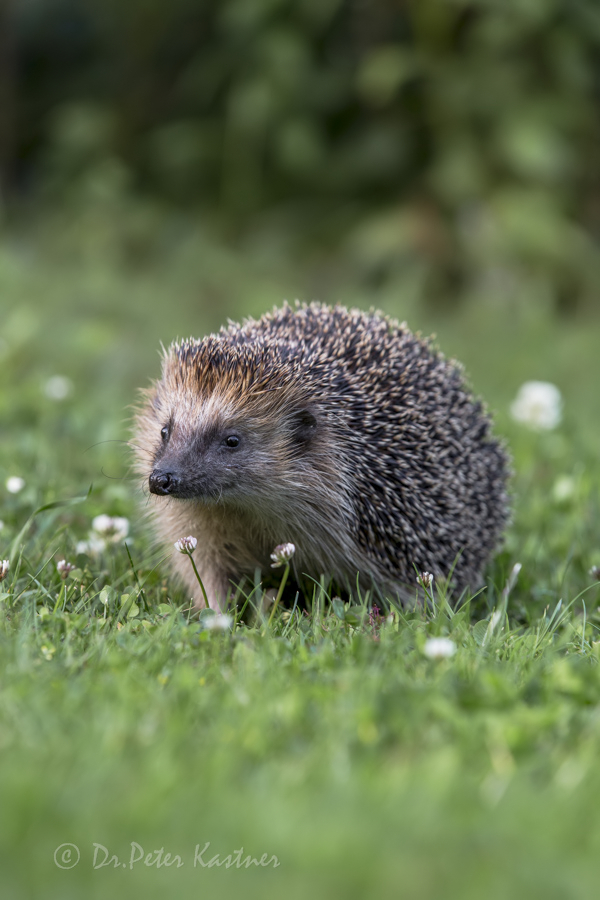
(328, 740)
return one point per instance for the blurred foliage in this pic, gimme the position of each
(451, 143)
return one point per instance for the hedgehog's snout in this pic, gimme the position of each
(161, 482)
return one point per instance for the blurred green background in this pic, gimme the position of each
(446, 146)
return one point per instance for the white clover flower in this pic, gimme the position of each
(186, 544)
(439, 648)
(425, 579)
(58, 387)
(14, 484)
(282, 554)
(4, 567)
(93, 546)
(64, 568)
(1, 524)
(564, 488)
(112, 528)
(218, 622)
(538, 404)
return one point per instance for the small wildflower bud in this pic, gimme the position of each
(4, 567)
(439, 648)
(595, 572)
(14, 484)
(64, 568)
(425, 579)
(186, 544)
(375, 617)
(282, 554)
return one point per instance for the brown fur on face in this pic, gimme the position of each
(335, 430)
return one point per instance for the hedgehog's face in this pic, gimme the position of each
(215, 455)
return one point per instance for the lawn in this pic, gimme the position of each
(323, 754)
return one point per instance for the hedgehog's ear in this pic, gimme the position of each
(303, 424)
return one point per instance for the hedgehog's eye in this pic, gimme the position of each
(232, 441)
(164, 432)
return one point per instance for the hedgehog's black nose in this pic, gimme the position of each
(162, 482)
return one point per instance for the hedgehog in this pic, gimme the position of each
(336, 430)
